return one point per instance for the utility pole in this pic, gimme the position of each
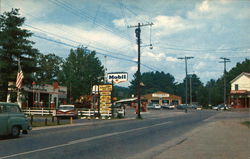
(185, 58)
(138, 35)
(190, 82)
(225, 60)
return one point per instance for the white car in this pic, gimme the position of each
(154, 106)
(157, 106)
(220, 107)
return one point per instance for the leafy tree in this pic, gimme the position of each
(216, 87)
(49, 66)
(14, 45)
(154, 81)
(80, 71)
(121, 92)
(196, 87)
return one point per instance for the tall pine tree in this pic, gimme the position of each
(14, 45)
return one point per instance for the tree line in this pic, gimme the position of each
(82, 69)
(78, 72)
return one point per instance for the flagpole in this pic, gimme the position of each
(19, 82)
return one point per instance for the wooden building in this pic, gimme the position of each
(240, 91)
(162, 98)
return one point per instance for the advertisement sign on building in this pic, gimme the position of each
(160, 95)
(117, 77)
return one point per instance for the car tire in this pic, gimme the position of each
(15, 131)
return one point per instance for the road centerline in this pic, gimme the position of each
(85, 140)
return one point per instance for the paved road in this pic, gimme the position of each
(104, 139)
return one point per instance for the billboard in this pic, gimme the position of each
(117, 77)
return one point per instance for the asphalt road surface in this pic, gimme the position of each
(104, 139)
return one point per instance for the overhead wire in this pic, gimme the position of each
(69, 45)
(108, 55)
(82, 14)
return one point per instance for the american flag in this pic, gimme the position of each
(19, 77)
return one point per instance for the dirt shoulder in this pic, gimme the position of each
(219, 139)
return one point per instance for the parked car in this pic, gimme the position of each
(167, 106)
(12, 120)
(119, 110)
(199, 108)
(64, 111)
(181, 106)
(153, 106)
(220, 107)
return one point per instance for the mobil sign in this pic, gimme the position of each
(117, 77)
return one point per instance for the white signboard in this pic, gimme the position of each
(118, 77)
(160, 95)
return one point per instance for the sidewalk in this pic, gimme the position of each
(221, 139)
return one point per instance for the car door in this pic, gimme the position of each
(3, 120)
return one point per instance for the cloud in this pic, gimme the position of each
(156, 56)
(199, 66)
(171, 59)
(36, 9)
(102, 39)
(133, 69)
(204, 7)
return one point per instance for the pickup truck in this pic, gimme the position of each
(12, 120)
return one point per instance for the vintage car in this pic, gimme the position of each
(65, 111)
(12, 120)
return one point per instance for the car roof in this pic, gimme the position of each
(9, 104)
(67, 105)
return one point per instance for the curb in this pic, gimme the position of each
(75, 124)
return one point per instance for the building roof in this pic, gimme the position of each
(240, 75)
(127, 100)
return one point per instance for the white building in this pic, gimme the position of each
(240, 91)
(49, 96)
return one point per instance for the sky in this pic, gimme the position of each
(204, 29)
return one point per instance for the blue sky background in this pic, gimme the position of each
(204, 29)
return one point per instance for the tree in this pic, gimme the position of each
(215, 88)
(81, 70)
(154, 81)
(49, 67)
(196, 88)
(14, 45)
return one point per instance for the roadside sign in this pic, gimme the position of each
(117, 77)
(105, 98)
(95, 89)
(105, 88)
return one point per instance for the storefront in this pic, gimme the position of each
(240, 91)
(162, 98)
(47, 96)
(239, 99)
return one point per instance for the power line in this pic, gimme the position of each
(61, 37)
(73, 46)
(82, 14)
(204, 50)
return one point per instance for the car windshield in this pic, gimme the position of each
(9, 109)
(66, 108)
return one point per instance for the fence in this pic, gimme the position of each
(82, 113)
(41, 111)
(93, 113)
